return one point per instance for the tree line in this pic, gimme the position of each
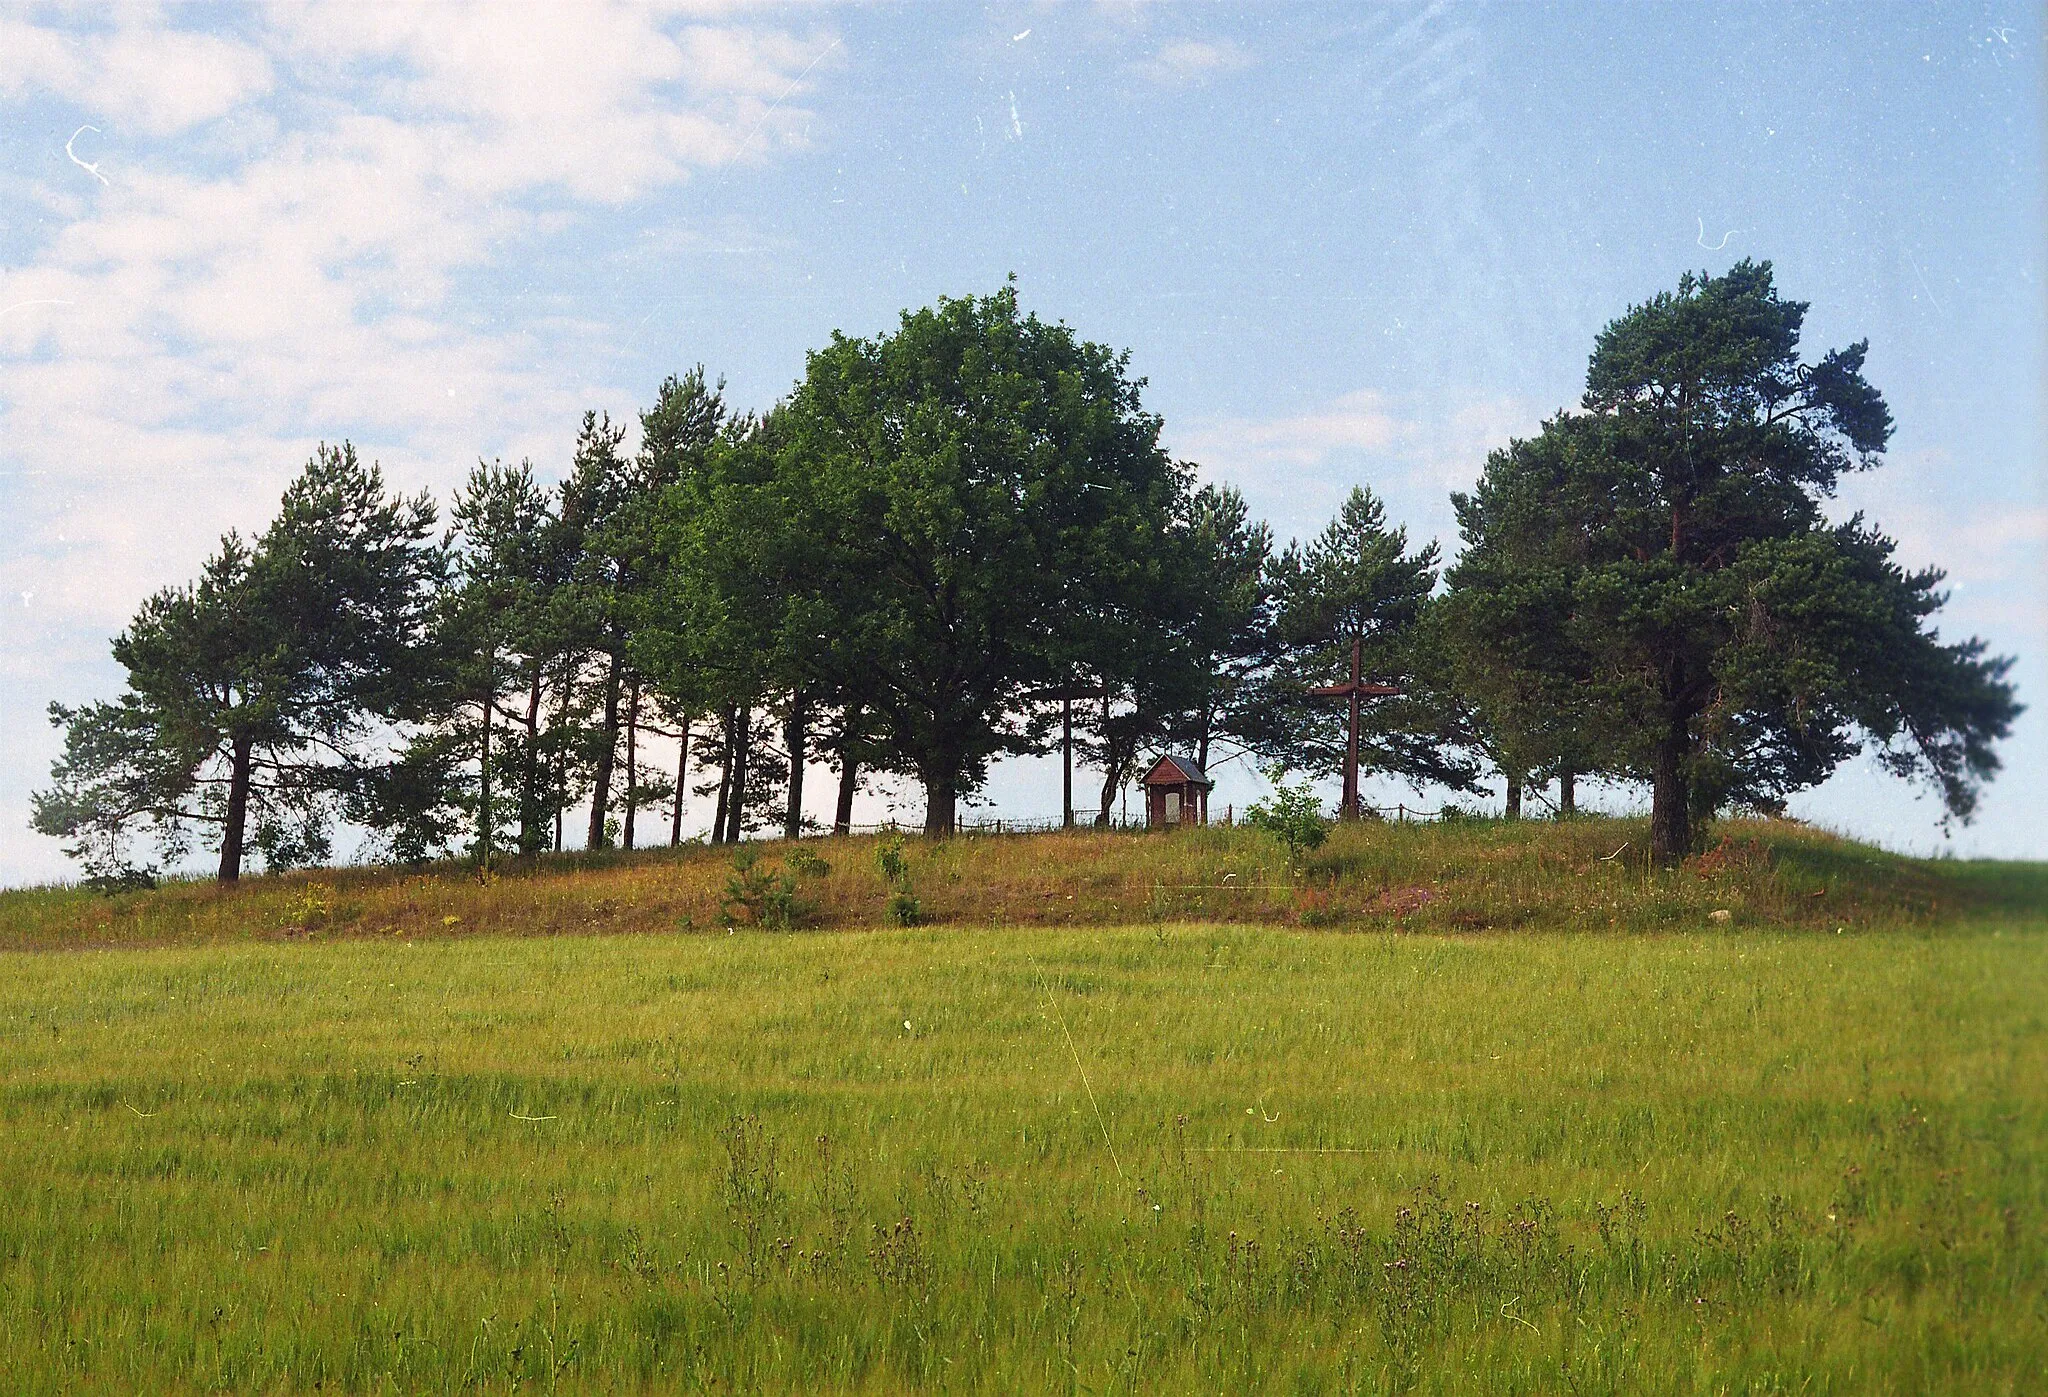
(963, 540)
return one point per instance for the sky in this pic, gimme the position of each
(1342, 244)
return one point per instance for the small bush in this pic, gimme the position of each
(806, 864)
(1293, 815)
(891, 862)
(762, 896)
(894, 866)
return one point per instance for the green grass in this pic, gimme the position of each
(1471, 876)
(1175, 1156)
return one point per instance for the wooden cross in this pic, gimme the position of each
(1355, 690)
(1066, 693)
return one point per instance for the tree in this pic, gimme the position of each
(678, 435)
(1356, 589)
(1141, 637)
(1741, 646)
(1292, 814)
(1232, 558)
(714, 629)
(974, 490)
(1505, 623)
(596, 500)
(477, 760)
(259, 697)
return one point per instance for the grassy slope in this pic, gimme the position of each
(1703, 1160)
(1479, 876)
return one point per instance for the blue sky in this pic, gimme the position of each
(1343, 244)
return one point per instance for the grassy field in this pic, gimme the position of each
(1466, 877)
(1758, 1155)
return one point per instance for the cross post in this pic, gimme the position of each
(1355, 690)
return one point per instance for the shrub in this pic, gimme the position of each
(763, 896)
(1292, 814)
(892, 863)
(894, 866)
(806, 864)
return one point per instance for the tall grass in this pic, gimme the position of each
(1165, 1157)
(1470, 876)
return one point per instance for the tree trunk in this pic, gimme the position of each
(675, 825)
(736, 803)
(632, 763)
(724, 783)
(849, 782)
(1348, 810)
(1067, 758)
(1514, 798)
(941, 797)
(561, 750)
(793, 741)
(1113, 766)
(607, 755)
(1567, 793)
(237, 822)
(1670, 801)
(529, 780)
(483, 792)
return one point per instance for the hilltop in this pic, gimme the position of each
(1474, 876)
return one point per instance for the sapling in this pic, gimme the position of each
(1292, 814)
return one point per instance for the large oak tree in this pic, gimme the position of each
(984, 498)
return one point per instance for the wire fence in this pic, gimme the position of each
(1396, 814)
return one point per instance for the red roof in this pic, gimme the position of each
(1176, 771)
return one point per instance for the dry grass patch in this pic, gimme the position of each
(1471, 876)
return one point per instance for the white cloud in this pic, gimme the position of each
(1296, 467)
(1358, 421)
(159, 80)
(1185, 62)
(1995, 555)
(292, 211)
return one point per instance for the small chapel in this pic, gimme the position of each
(1176, 793)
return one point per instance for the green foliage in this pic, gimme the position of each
(1358, 581)
(891, 862)
(257, 696)
(761, 896)
(805, 864)
(962, 540)
(1661, 562)
(981, 505)
(903, 908)
(1293, 814)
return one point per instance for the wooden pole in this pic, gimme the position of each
(1355, 690)
(1067, 758)
(1350, 810)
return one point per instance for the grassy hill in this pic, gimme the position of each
(380, 1132)
(1473, 877)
